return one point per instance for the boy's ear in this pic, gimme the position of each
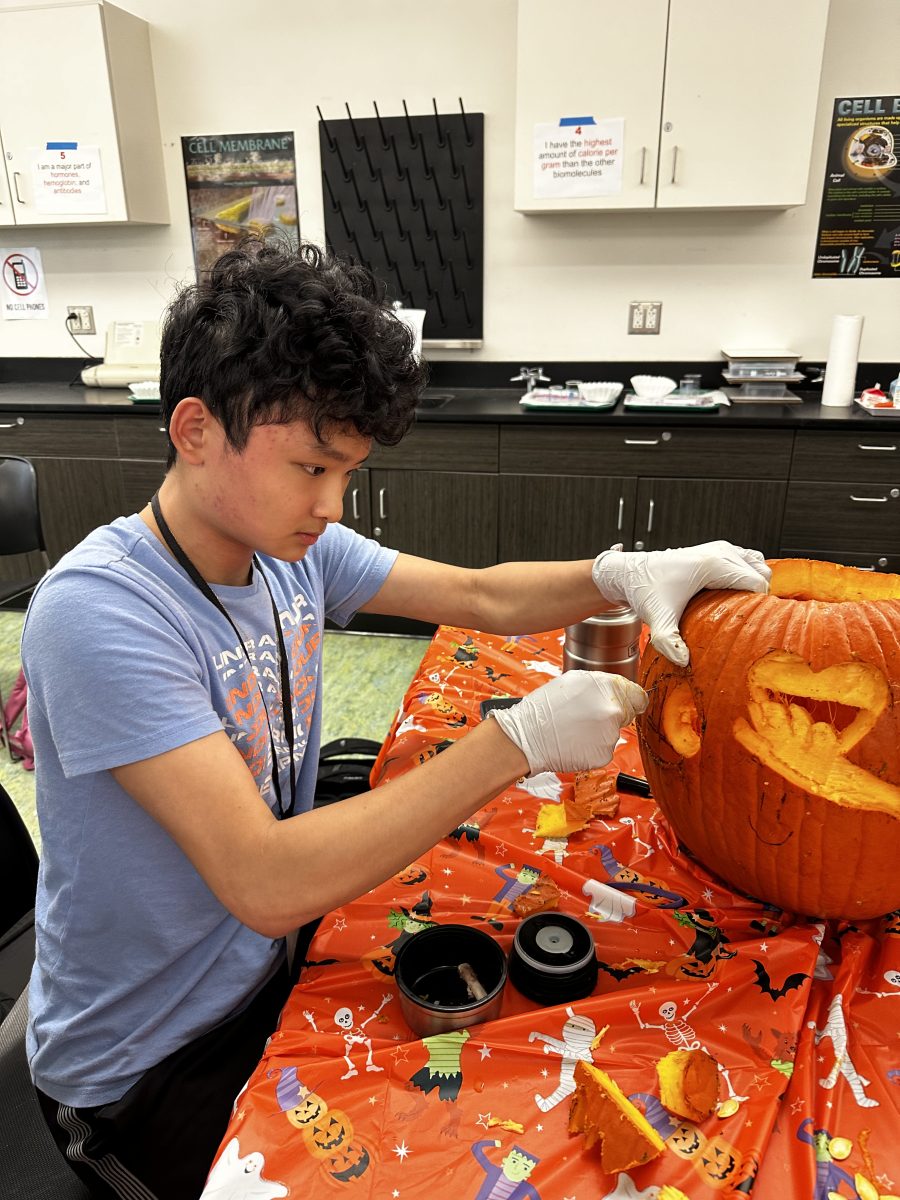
(189, 429)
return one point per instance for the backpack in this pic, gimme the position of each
(344, 769)
(15, 709)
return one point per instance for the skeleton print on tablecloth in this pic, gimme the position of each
(680, 1034)
(354, 1036)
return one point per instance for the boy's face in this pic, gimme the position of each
(279, 493)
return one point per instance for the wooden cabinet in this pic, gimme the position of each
(80, 75)
(568, 493)
(434, 495)
(843, 502)
(142, 448)
(79, 485)
(708, 122)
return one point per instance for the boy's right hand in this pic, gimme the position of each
(573, 722)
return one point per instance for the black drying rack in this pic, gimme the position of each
(405, 196)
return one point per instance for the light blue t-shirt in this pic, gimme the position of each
(125, 659)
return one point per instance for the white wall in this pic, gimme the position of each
(556, 287)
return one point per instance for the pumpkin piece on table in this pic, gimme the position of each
(594, 796)
(689, 1083)
(775, 755)
(540, 897)
(602, 1112)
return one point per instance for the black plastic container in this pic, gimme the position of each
(552, 959)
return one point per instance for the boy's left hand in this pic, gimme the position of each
(657, 584)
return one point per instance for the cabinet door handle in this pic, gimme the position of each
(641, 441)
(13, 424)
(382, 514)
(674, 162)
(643, 163)
(355, 498)
(16, 186)
(869, 499)
(650, 516)
(862, 446)
(621, 512)
(162, 429)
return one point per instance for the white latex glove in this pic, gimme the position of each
(658, 584)
(573, 722)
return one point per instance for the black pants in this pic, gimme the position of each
(159, 1140)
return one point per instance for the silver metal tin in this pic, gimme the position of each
(606, 642)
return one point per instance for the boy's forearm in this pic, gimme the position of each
(531, 597)
(320, 860)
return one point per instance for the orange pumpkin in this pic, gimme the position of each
(775, 755)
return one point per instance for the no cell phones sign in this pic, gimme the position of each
(22, 284)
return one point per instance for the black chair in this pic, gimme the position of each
(30, 1162)
(20, 533)
(19, 871)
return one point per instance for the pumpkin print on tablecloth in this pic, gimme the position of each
(775, 755)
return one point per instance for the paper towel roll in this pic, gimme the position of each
(843, 355)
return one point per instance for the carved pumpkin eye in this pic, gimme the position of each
(784, 731)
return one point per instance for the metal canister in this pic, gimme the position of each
(607, 642)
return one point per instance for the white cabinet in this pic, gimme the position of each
(718, 98)
(82, 75)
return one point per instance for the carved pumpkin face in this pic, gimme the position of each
(307, 1112)
(775, 754)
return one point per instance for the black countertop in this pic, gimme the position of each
(485, 405)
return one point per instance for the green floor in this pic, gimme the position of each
(365, 677)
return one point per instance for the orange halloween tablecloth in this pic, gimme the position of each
(803, 1017)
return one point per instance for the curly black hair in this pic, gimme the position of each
(275, 333)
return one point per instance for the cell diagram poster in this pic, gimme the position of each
(859, 225)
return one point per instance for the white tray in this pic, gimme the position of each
(876, 412)
(567, 404)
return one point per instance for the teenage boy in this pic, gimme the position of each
(173, 657)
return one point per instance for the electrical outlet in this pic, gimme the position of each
(644, 316)
(80, 318)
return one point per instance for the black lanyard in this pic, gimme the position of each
(286, 705)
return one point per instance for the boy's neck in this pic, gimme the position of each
(216, 558)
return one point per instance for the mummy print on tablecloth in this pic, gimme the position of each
(836, 1030)
(575, 1046)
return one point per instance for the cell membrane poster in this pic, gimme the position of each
(859, 226)
(239, 184)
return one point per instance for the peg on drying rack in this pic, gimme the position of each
(465, 184)
(384, 141)
(353, 126)
(332, 144)
(412, 137)
(469, 140)
(437, 123)
(454, 169)
(429, 174)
